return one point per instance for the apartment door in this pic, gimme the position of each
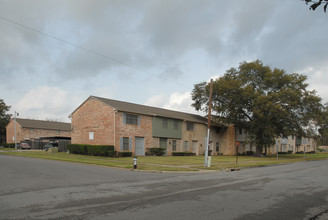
(195, 147)
(163, 143)
(140, 146)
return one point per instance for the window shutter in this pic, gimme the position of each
(121, 143)
(130, 144)
(124, 118)
(139, 121)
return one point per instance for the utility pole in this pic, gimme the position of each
(208, 125)
(16, 114)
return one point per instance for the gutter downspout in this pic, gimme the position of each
(114, 127)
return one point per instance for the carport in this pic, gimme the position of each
(58, 141)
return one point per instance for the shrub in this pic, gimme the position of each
(124, 154)
(157, 151)
(10, 145)
(183, 154)
(290, 152)
(311, 152)
(93, 150)
(300, 152)
(111, 153)
(282, 152)
(249, 153)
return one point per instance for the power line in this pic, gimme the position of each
(90, 51)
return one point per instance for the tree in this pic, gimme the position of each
(4, 116)
(267, 102)
(323, 124)
(316, 4)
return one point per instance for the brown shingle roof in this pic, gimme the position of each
(49, 125)
(151, 111)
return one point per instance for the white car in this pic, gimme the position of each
(24, 146)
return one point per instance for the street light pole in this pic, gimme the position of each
(206, 164)
(16, 114)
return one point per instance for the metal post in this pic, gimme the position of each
(135, 162)
(277, 151)
(15, 131)
(237, 151)
(208, 124)
(206, 148)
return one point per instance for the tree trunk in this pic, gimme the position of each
(259, 150)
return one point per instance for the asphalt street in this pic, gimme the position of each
(45, 189)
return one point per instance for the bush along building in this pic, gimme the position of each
(137, 128)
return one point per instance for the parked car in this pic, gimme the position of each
(48, 146)
(24, 146)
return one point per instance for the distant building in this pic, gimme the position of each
(29, 130)
(285, 144)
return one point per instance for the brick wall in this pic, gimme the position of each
(93, 116)
(10, 132)
(131, 131)
(99, 118)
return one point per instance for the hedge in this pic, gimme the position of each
(183, 154)
(249, 153)
(282, 152)
(124, 154)
(156, 151)
(290, 152)
(93, 150)
(10, 145)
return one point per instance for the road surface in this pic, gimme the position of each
(45, 189)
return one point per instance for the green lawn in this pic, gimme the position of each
(187, 163)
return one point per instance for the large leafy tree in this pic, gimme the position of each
(323, 124)
(315, 4)
(266, 102)
(4, 116)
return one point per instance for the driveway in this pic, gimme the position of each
(45, 189)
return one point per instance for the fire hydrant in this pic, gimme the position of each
(135, 163)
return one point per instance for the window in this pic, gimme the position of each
(131, 119)
(186, 146)
(126, 143)
(58, 132)
(174, 145)
(175, 124)
(240, 131)
(164, 123)
(32, 130)
(190, 126)
(91, 136)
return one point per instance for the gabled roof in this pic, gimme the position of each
(48, 125)
(148, 110)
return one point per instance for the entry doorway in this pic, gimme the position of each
(140, 146)
(195, 147)
(163, 144)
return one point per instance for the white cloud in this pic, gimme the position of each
(181, 102)
(157, 101)
(176, 101)
(45, 103)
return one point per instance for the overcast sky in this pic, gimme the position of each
(55, 54)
